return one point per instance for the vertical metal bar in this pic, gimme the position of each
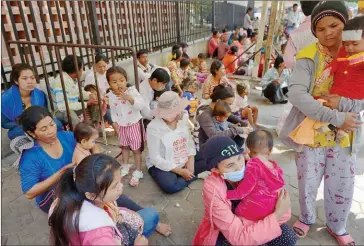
(93, 23)
(178, 24)
(45, 74)
(89, 31)
(99, 98)
(108, 24)
(77, 31)
(147, 26)
(213, 14)
(52, 22)
(128, 27)
(60, 20)
(25, 53)
(117, 30)
(121, 28)
(3, 75)
(103, 26)
(10, 55)
(112, 58)
(66, 9)
(25, 26)
(159, 20)
(46, 37)
(63, 87)
(20, 51)
(142, 26)
(79, 82)
(130, 14)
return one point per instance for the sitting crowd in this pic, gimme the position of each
(243, 191)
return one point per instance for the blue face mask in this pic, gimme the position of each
(235, 176)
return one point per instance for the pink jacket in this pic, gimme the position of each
(218, 217)
(258, 190)
(212, 45)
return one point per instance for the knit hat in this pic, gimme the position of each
(328, 8)
(217, 149)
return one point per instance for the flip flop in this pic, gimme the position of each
(343, 240)
(302, 227)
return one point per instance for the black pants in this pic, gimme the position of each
(249, 32)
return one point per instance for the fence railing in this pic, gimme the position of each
(150, 25)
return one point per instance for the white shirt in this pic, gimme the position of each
(169, 149)
(247, 22)
(101, 81)
(147, 93)
(293, 18)
(122, 112)
(144, 72)
(239, 103)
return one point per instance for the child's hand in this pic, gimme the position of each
(332, 101)
(125, 96)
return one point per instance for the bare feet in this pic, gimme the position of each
(164, 229)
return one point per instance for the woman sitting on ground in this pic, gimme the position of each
(171, 161)
(19, 97)
(217, 77)
(230, 61)
(42, 165)
(176, 74)
(275, 82)
(219, 225)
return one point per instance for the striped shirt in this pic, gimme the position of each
(71, 91)
(36, 165)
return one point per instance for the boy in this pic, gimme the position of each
(190, 87)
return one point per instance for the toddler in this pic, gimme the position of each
(348, 81)
(203, 71)
(263, 179)
(125, 105)
(185, 68)
(85, 134)
(92, 105)
(190, 87)
(241, 108)
(220, 115)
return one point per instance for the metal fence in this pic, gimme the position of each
(151, 25)
(228, 15)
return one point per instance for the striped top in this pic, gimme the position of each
(71, 91)
(36, 165)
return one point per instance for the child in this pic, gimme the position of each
(125, 105)
(203, 72)
(185, 68)
(154, 103)
(176, 75)
(263, 179)
(93, 106)
(85, 134)
(241, 108)
(190, 87)
(348, 72)
(86, 213)
(100, 67)
(220, 115)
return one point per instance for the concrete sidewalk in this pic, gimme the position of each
(25, 224)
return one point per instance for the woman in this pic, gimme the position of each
(275, 82)
(171, 160)
(216, 78)
(248, 23)
(325, 158)
(19, 97)
(213, 44)
(176, 74)
(220, 226)
(204, 125)
(230, 61)
(42, 165)
(101, 65)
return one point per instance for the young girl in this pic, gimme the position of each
(241, 108)
(85, 212)
(85, 134)
(125, 105)
(93, 111)
(263, 179)
(176, 74)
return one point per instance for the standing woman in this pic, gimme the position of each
(19, 97)
(325, 158)
(248, 23)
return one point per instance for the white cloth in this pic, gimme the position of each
(124, 113)
(147, 93)
(248, 22)
(293, 18)
(144, 72)
(101, 81)
(169, 149)
(239, 103)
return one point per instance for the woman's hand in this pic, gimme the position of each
(351, 123)
(141, 240)
(186, 174)
(71, 165)
(283, 204)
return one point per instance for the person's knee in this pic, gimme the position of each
(172, 188)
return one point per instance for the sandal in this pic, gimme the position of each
(300, 229)
(344, 239)
(134, 181)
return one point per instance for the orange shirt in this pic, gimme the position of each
(230, 66)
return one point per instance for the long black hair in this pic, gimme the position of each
(30, 117)
(94, 174)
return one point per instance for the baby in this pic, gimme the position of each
(263, 179)
(221, 113)
(85, 134)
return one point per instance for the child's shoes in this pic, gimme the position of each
(134, 181)
(124, 170)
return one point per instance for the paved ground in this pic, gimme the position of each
(25, 224)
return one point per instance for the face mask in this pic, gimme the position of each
(235, 176)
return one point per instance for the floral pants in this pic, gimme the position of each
(337, 167)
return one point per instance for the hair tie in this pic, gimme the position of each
(74, 174)
(174, 56)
